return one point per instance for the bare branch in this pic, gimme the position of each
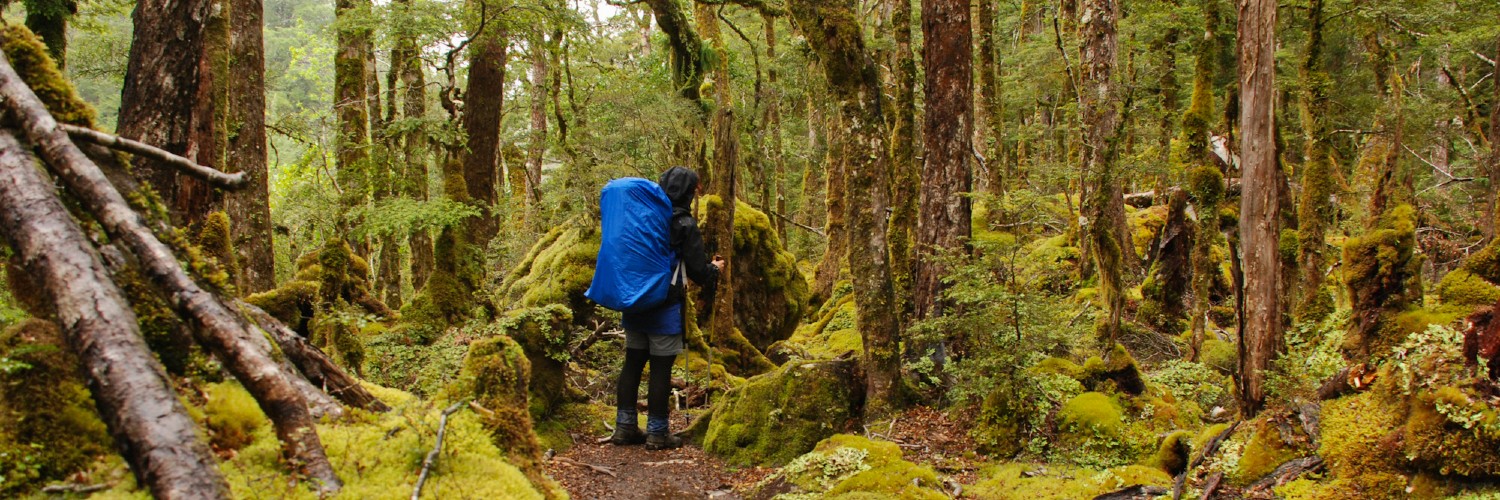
(222, 180)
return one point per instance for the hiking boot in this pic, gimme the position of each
(627, 435)
(663, 442)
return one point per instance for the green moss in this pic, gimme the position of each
(1486, 263)
(847, 466)
(832, 335)
(215, 240)
(1436, 443)
(1092, 412)
(545, 335)
(1121, 372)
(496, 375)
(231, 415)
(48, 425)
(1361, 447)
(770, 293)
(1220, 355)
(1463, 288)
(1060, 481)
(1382, 273)
(1264, 452)
(1173, 454)
(31, 60)
(777, 416)
(557, 270)
(1062, 367)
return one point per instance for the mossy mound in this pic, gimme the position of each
(48, 425)
(1052, 262)
(544, 334)
(1382, 272)
(328, 300)
(1145, 226)
(1486, 263)
(777, 416)
(231, 415)
(850, 466)
(557, 270)
(1062, 482)
(832, 335)
(448, 296)
(1466, 289)
(1274, 439)
(770, 293)
(495, 376)
(1092, 431)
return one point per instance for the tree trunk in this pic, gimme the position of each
(482, 109)
(1260, 224)
(1100, 116)
(312, 363)
(49, 20)
(774, 146)
(1493, 204)
(904, 170)
(133, 394)
(834, 163)
(1315, 212)
(249, 208)
(1206, 178)
(537, 145)
(687, 49)
(223, 333)
(719, 224)
(994, 106)
(160, 103)
(948, 131)
(834, 35)
(351, 109)
(415, 150)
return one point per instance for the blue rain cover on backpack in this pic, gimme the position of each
(634, 269)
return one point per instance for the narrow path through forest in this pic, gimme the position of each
(591, 469)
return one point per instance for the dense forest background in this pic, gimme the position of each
(991, 249)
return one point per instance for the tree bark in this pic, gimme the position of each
(250, 209)
(1494, 202)
(687, 49)
(1100, 116)
(1260, 224)
(351, 109)
(537, 145)
(774, 147)
(151, 427)
(1315, 212)
(223, 333)
(834, 34)
(994, 106)
(49, 20)
(415, 149)
(312, 363)
(948, 131)
(484, 100)
(160, 103)
(834, 163)
(904, 169)
(719, 224)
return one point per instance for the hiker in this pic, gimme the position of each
(656, 335)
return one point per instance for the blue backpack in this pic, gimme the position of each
(634, 272)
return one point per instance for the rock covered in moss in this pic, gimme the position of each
(48, 425)
(777, 416)
(1382, 272)
(830, 336)
(1466, 289)
(850, 466)
(496, 375)
(544, 335)
(557, 270)
(1275, 438)
(1486, 263)
(770, 293)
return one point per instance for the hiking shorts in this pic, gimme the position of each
(658, 345)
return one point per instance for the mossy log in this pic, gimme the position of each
(495, 376)
(312, 363)
(133, 394)
(222, 332)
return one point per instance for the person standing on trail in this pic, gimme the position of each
(657, 335)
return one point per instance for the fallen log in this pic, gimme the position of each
(1350, 379)
(223, 333)
(150, 426)
(1137, 492)
(312, 363)
(1285, 473)
(1209, 448)
(212, 176)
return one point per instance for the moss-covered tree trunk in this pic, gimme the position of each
(49, 20)
(1260, 222)
(994, 106)
(1315, 210)
(904, 169)
(351, 108)
(686, 48)
(1205, 178)
(719, 225)
(250, 208)
(834, 35)
(1100, 116)
(482, 109)
(536, 145)
(834, 165)
(414, 145)
(163, 103)
(947, 130)
(774, 147)
(1492, 205)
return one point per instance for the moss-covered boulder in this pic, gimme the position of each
(850, 466)
(496, 375)
(557, 270)
(48, 425)
(1163, 304)
(832, 334)
(770, 293)
(1382, 272)
(1486, 263)
(775, 417)
(544, 335)
(1274, 438)
(1465, 289)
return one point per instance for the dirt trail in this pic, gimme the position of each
(633, 472)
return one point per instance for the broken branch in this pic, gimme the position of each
(213, 176)
(416, 493)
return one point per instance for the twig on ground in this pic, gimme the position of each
(437, 447)
(596, 468)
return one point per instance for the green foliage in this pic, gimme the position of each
(850, 466)
(1061, 482)
(1188, 381)
(401, 216)
(1312, 356)
(48, 425)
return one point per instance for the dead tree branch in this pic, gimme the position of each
(416, 493)
(219, 179)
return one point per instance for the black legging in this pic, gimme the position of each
(659, 388)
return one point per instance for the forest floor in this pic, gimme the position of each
(594, 469)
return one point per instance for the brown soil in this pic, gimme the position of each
(638, 473)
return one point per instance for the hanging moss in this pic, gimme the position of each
(48, 425)
(777, 416)
(496, 375)
(770, 293)
(1382, 272)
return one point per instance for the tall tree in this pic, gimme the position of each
(904, 169)
(162, 102)
(1260, 222)
(948, 131)
(482, 110)
(994, 107)
(1494, 202)
(687, 49)
(719, 224)
(250, 208)
(49, 20)
(1204, 176)
(1315, 212)
(834, 35)
(537, 143)
(351, 107)
(407, 62)
(1100, 116)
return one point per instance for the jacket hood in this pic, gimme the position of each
(680, 184)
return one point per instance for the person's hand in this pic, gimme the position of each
(719, 262)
